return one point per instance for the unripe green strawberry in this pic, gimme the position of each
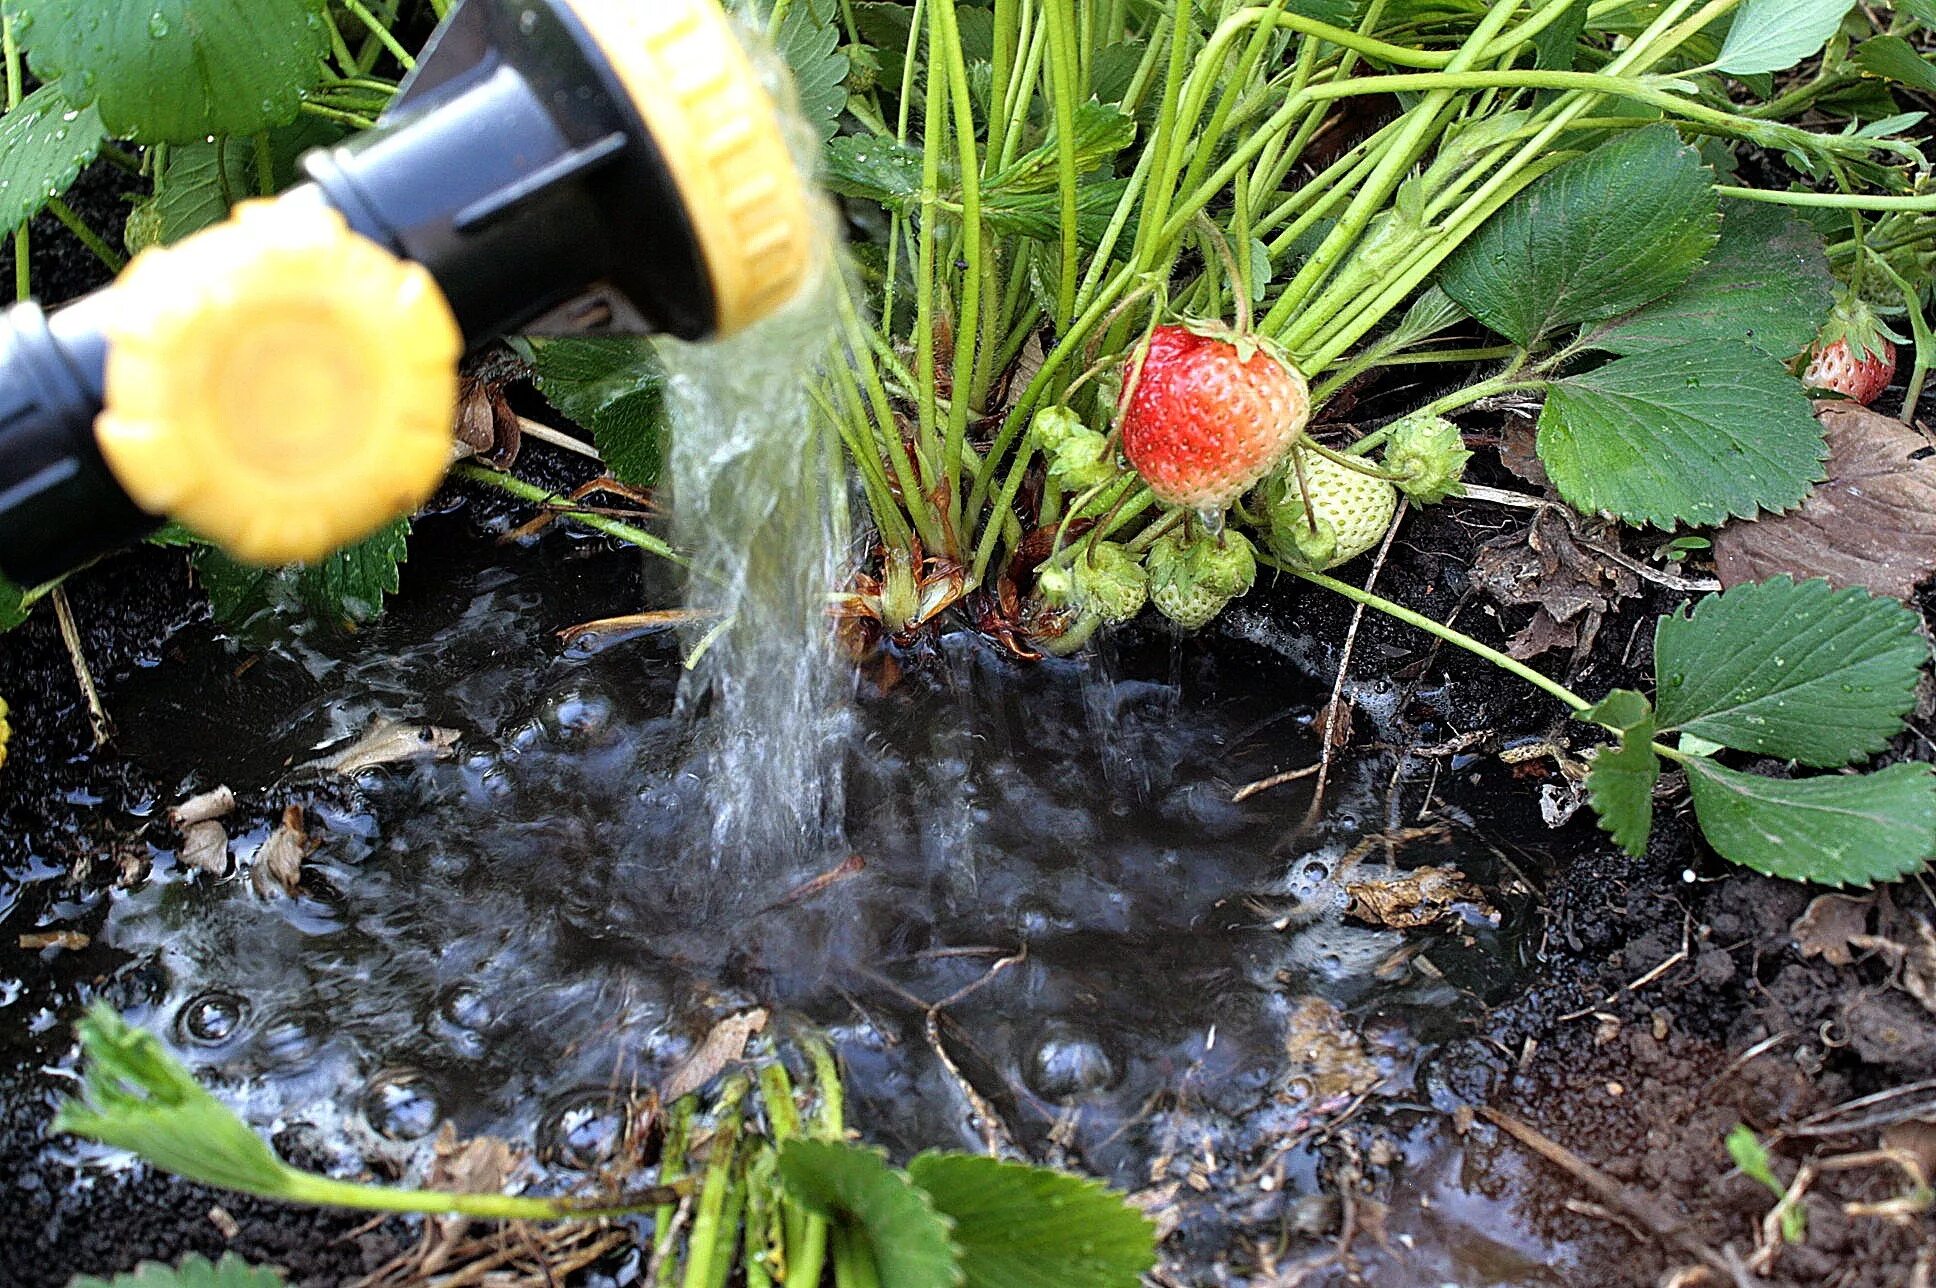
(1110, 583)
(1078, 456)
(1428, 454)
(1191, 580)
(1056, 587)
(1351, 512)
(1210, 415)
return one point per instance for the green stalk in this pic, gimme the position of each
(1065, 78)
(113, 259)
(381, 32)
(1923, 204)
(854, 1261)
(672, 1168)
(512, 485)
(713, 1235)
(265, 170)
(322, 1191)
(944, 42)
(23, 269)
(1451, 636)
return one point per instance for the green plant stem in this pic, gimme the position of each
(677, 1142)
(1065, 75)
(944, 42)
(1923, 204)
(1459, 638)
(512, 485)
(382, 33)
(854, 1261)
(713, 1236)
(114, 260)
(23, 272)
(322, 1191)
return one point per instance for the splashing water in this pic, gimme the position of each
(757, 500)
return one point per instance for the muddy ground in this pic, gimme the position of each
(1667, 1002)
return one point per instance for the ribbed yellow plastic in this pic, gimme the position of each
(720, 135)
(279, 384)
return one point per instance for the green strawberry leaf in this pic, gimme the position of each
(1031, 1227)
(1692, 434)
(809, 39)
(875, 168)
(1800, 671)
(1839, 829)
(201, 180)
(854, 1187)
(1621, 781)
(1893, 58)
(14, 608)
(347, 588)
(614, 386)
(1774, 35)
(1100, 133)
(195, 1271)
(1600, 236)
(1767, 285)
(178, 71)
(44, 146)
(136, 1096)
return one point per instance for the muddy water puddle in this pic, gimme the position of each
(1142, 978)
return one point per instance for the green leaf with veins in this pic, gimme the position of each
(1032, 1227)
(201, 180)
(1800, 671)
(346, 588)
(1621, 781)
(44, 146)
(614, 386)
(875, 168)
(1600, 236)
(1100, 133)
(178, 71)
(854, 1187)
(1838, 829)
(1893, 58)
(1774, 35)
(809, 39)
(195, 1271)
(1767, 284)
(1693, 434)
(14, 608)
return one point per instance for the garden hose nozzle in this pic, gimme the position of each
(284, 383)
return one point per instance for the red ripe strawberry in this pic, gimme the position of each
(1853, 356)
(1211, 415)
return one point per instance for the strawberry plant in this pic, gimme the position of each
(776, 1191)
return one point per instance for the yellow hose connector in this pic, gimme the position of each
(6, 733)
(719, 134)
(279, 384)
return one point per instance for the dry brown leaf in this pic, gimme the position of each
(1418, 898)
(210, 805)
(1327, 1057)
(1872, 524)
(1337, 720)
(722, 1047)
(1550, 567)
(205, 845)
(278, 862)
(385, 742)
(1828, 924)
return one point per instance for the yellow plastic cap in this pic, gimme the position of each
(279, 384)
(719, 133)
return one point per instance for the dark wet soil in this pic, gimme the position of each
(1637, 1012)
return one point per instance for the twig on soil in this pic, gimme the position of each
(995, 1136)
(1249, 790)
(1328, 733)
(1641, 1207)
(1829, 1122)
(97, 714)
(1679, 955)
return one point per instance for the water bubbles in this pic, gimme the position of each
(401, 1104)
(158, 24)
(287, 1044)
(212, 1018)
(582, 1131)
(578, 715)
(528, 21)
(1069, 1062)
